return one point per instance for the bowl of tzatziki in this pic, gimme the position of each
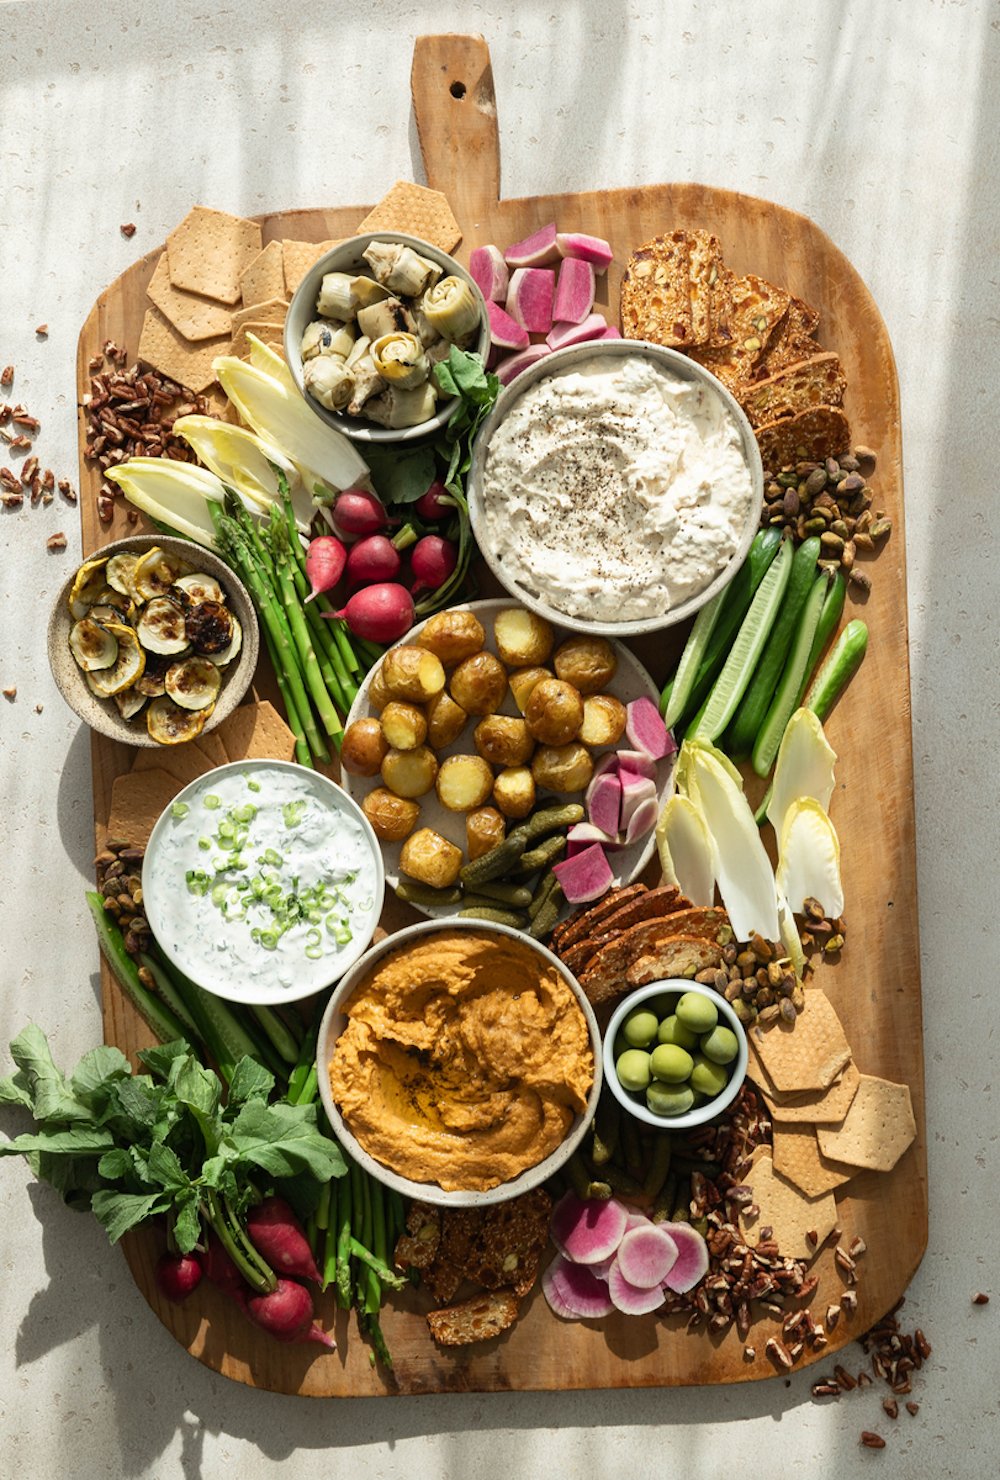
(263, 882)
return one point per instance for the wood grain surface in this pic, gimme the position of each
(875, 987)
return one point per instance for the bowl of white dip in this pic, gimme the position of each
(615, 487)
(263, 881)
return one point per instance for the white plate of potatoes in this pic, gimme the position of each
(480, 715)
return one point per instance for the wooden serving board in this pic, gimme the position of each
(876, 986)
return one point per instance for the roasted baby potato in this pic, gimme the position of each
(523, 680)
(514, 791)
(484, 829)
(445, 720)
(392, 818)
(588, 663)
(463, 782)
(562, 768)
(523, 640)
(403, 725)
(452, 636)
(554, 712)
(364, 748)
(603, 720)
(412, 674)
(503, 740)
(378, 694)
(429, 857)
(479, 684)
(410, 773)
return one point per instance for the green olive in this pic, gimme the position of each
(671, 1063)
(672, 1031)
(721, 1045)
(639, 1027)
(633, 1069)
(708, 1078)
(698, 1013)
(663, 1099)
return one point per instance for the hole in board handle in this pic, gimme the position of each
(458, 90)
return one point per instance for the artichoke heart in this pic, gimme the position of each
(194, 683)
(400, 360)
(89, 582)
(162, 628)
(361, 347)
(367, 381)
(324, 338)
(156, 572)
(402, 408)
(93, 646)
(127, 668)
(169, 724)
(388, 317)
(399, 268)
(451, 307)
(328, 381)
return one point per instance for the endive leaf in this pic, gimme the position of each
(809, 859)
(740, 862)
(804, 767)
(685, 850)
(173, 493)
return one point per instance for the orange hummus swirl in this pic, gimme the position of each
(464, 1061)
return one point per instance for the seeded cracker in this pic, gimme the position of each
(786, 1210)
(298, 257)
(478, 1319)
(655, 293)
(190, 365)
(796, 1155)
(877, 1129)
(711, 298)
(757, 308)
(810, 436)
(511, 1241)
(210, 250)
(807, 1054)
(194, 317)
(417, 211)
(265, 277)
(417, 1247)
(137, 799)
(794, 339)
(818, 381)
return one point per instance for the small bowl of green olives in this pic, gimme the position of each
(675, 1054)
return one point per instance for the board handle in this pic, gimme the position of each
(455, 106)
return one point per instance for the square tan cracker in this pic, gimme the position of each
(656, 293)
(265, 276)
(299, 257)
(786, 1210)
(210, 250)
(184, 762)
(137, 799)
(828, 1107)
(212, 748)
(256, 732)
(271, 311)
(190, 365)
(272, 335)
(797, 1157)
(757, 308)
(195, 317)
(418, 211)
(876, 1130)
(807, 1054)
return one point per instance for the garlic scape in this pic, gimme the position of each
(400, 269)
(402, 408)
(391, 316)
(328, 381)
(322, 337)
(400, 360)
(451, 308)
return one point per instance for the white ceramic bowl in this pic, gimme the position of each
(163, 894)
(700, 1114)
(559, 363)
(333, 1024)
(347, 256)
(631, 681)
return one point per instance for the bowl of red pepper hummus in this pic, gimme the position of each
(459, 1062)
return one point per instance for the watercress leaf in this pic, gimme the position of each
(133, 1105)
(250, 1081)
(161, 1056)
(51, 1098)
(75, 1177)
(117, 1212)
(445, 378)
(165, 1167)
(187, 1221)
(74, 1140)
(115, 1164)
(401, 477)
(95, 1074)
(284, 1140)
(16, 1090)
(468, 373)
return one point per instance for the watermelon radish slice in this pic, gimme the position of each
(646, 730)
(636, 761)
(562, 335)
(604, 804)
(585, 877)
(529, 298)
(692, 1257)
(489, 272)
(610, 333)
(535, 250)
(634, 1300)
(575, 1293)
(646, 1255)
(575, 290)
(509, 369)
(642, 821)
(587, 1232)
(635, 791)
(505, 332)
(588, 248)
(607, 763)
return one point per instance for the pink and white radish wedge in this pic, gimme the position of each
(536, 250)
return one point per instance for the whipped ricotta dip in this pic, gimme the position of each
(260, 884)
(614, 490)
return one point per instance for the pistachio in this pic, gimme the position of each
(839, 527)
(881, 528)
(866, 459)
(832, 469)
(849, 463)
(859, 581)
(816, 482)
(791, 503)
(815, 526)
(830, 543)
(847, 556)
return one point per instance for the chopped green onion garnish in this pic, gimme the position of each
(253, 786)
(211, 801)
(179, 809)
(292, 813)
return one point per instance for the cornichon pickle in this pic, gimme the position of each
(516, 896)
(543, 889)
(541, 857)
(494, 864)
(495, 916)
(547, 820)
(546, 918)
(424, 894)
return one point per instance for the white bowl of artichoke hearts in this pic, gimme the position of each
(366, 327)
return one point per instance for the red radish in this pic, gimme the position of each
(535, 250)
(436, 503)
(276, 1233)
(588, 248)
(642, 821)
(529, 298)
(432, 561)
(379, 613)
(489, 272)
(575, 1292)
(357, 511)
(646, 1255)
(638, 762)
(585, 877)
(505, 332)
(561, 335)
(287, 1314)
(587, 1232)
(574, 297)
(375, 558)
(635, 791)
(510, 368)
(692, 1257)
(646, 729)
(604, 804)
(325, 561)
(632, 1299)
(220, 1268)
(177, 1275)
